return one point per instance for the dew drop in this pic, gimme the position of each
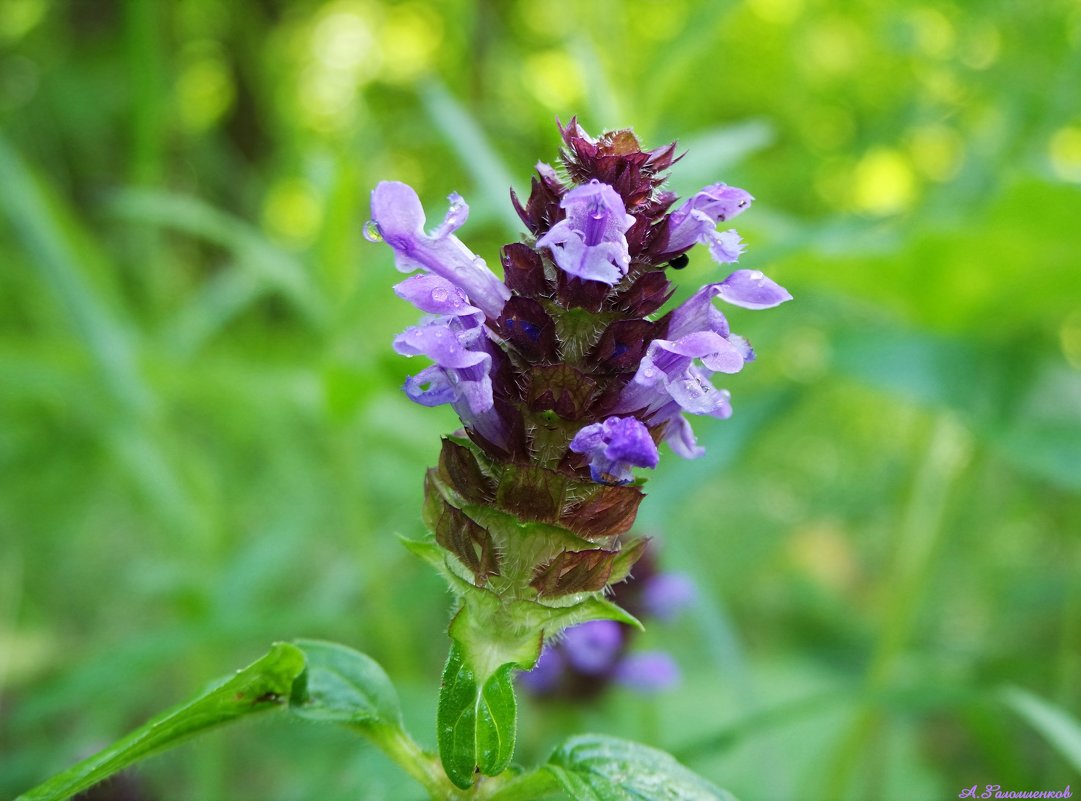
(372, 232)
(757, 275)
(439, 294)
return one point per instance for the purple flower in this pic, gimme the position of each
(546, 674)
(648, 671)
(435, 295)
(696, 221)
(665, 595)
(680, 370)
(750, 289)
(592, 648)
(399, 217)
(613, 447)
(591, 241)
(462, 354)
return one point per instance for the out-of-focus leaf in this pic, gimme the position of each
(262, 686)
(1061, 729)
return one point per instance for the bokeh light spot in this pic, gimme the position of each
(204, 89)
(1070, 338)
(19, 17)
(981, 46)
(933, 31)
(1065, 152)
(937, 151)
(883, 182)
(553, 77)
(293, 212)
(779, 12)
(410, 36)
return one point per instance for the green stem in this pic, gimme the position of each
(414, 760)
(426, 769)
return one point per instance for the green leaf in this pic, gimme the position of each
(594, 767)
(261, 686)
(476, 720)
(341, 685)
(1061, 730)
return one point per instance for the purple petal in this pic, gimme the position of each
(665, 595)
(716, 352)
(591, 241)
(430, 387)
(698, 313)
(680, 438)
(398, 213)
(434, 295)
(725, 246)
(397, 210)
(649, 671)
(440, 343)
(697, 218)
(457, 214)
(721, 202)
(751, 289)
(592, 648)
(614, 446)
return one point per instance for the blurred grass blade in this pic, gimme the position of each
(51, 239)
(478, 157)
(254, 253)
(218, 301)
(1061, 730)
(263, 685)
(710, 153)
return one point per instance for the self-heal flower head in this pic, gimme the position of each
(567, 373)
(590, 242)
(614, 446)
(399, 217)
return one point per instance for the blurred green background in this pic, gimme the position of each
(203, 447)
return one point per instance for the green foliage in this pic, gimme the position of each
(598, 768)
(340, 685)
(477, 719)
(204, 446)
(263, 685)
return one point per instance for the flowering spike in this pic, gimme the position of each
(564, 387)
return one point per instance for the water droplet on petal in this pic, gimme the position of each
(439, 294)
(372, 232)
(757, 275)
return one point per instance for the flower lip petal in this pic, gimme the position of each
(751, 289)
(397, 210)
(435, 295)
(614, 446)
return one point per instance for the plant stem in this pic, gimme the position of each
(414, 760)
